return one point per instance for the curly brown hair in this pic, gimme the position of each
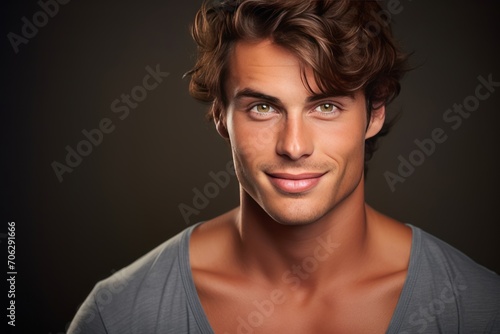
(345, 42)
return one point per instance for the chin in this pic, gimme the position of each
(296, 216)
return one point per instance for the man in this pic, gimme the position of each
(299, 90)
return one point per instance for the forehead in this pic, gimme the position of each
(265, 63)
(262, 53)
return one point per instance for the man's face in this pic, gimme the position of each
(296, 153)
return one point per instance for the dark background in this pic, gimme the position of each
(123, 199)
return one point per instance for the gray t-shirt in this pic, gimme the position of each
(445, 292)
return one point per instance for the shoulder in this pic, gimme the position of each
(132, 296)
(446, 289)
(440, 257)
(477, 286)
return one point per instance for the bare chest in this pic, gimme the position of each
(282, 310)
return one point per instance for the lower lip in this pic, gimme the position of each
(294, 186)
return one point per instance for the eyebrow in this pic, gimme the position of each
(250, 93)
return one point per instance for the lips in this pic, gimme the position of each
(294, 183)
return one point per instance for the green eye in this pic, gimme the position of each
(262, 111)
(326, 108)
(263, 108)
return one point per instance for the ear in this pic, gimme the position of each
(376, 122)
(220, 125)
(221, 129)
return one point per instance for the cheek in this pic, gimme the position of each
(251, 141)
(345, 148)
(342, 141)
(245, 151)
(355, 156)
(247, 156)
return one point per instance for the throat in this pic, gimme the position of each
(302, 255)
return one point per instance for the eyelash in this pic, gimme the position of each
(273, 110)
(333, 105)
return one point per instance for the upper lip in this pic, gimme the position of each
(290, 176)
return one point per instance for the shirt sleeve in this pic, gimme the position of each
(88, 319)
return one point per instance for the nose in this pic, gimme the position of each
(294, 140)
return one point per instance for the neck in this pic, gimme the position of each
(303, 255)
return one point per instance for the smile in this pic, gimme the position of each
(294, 183)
